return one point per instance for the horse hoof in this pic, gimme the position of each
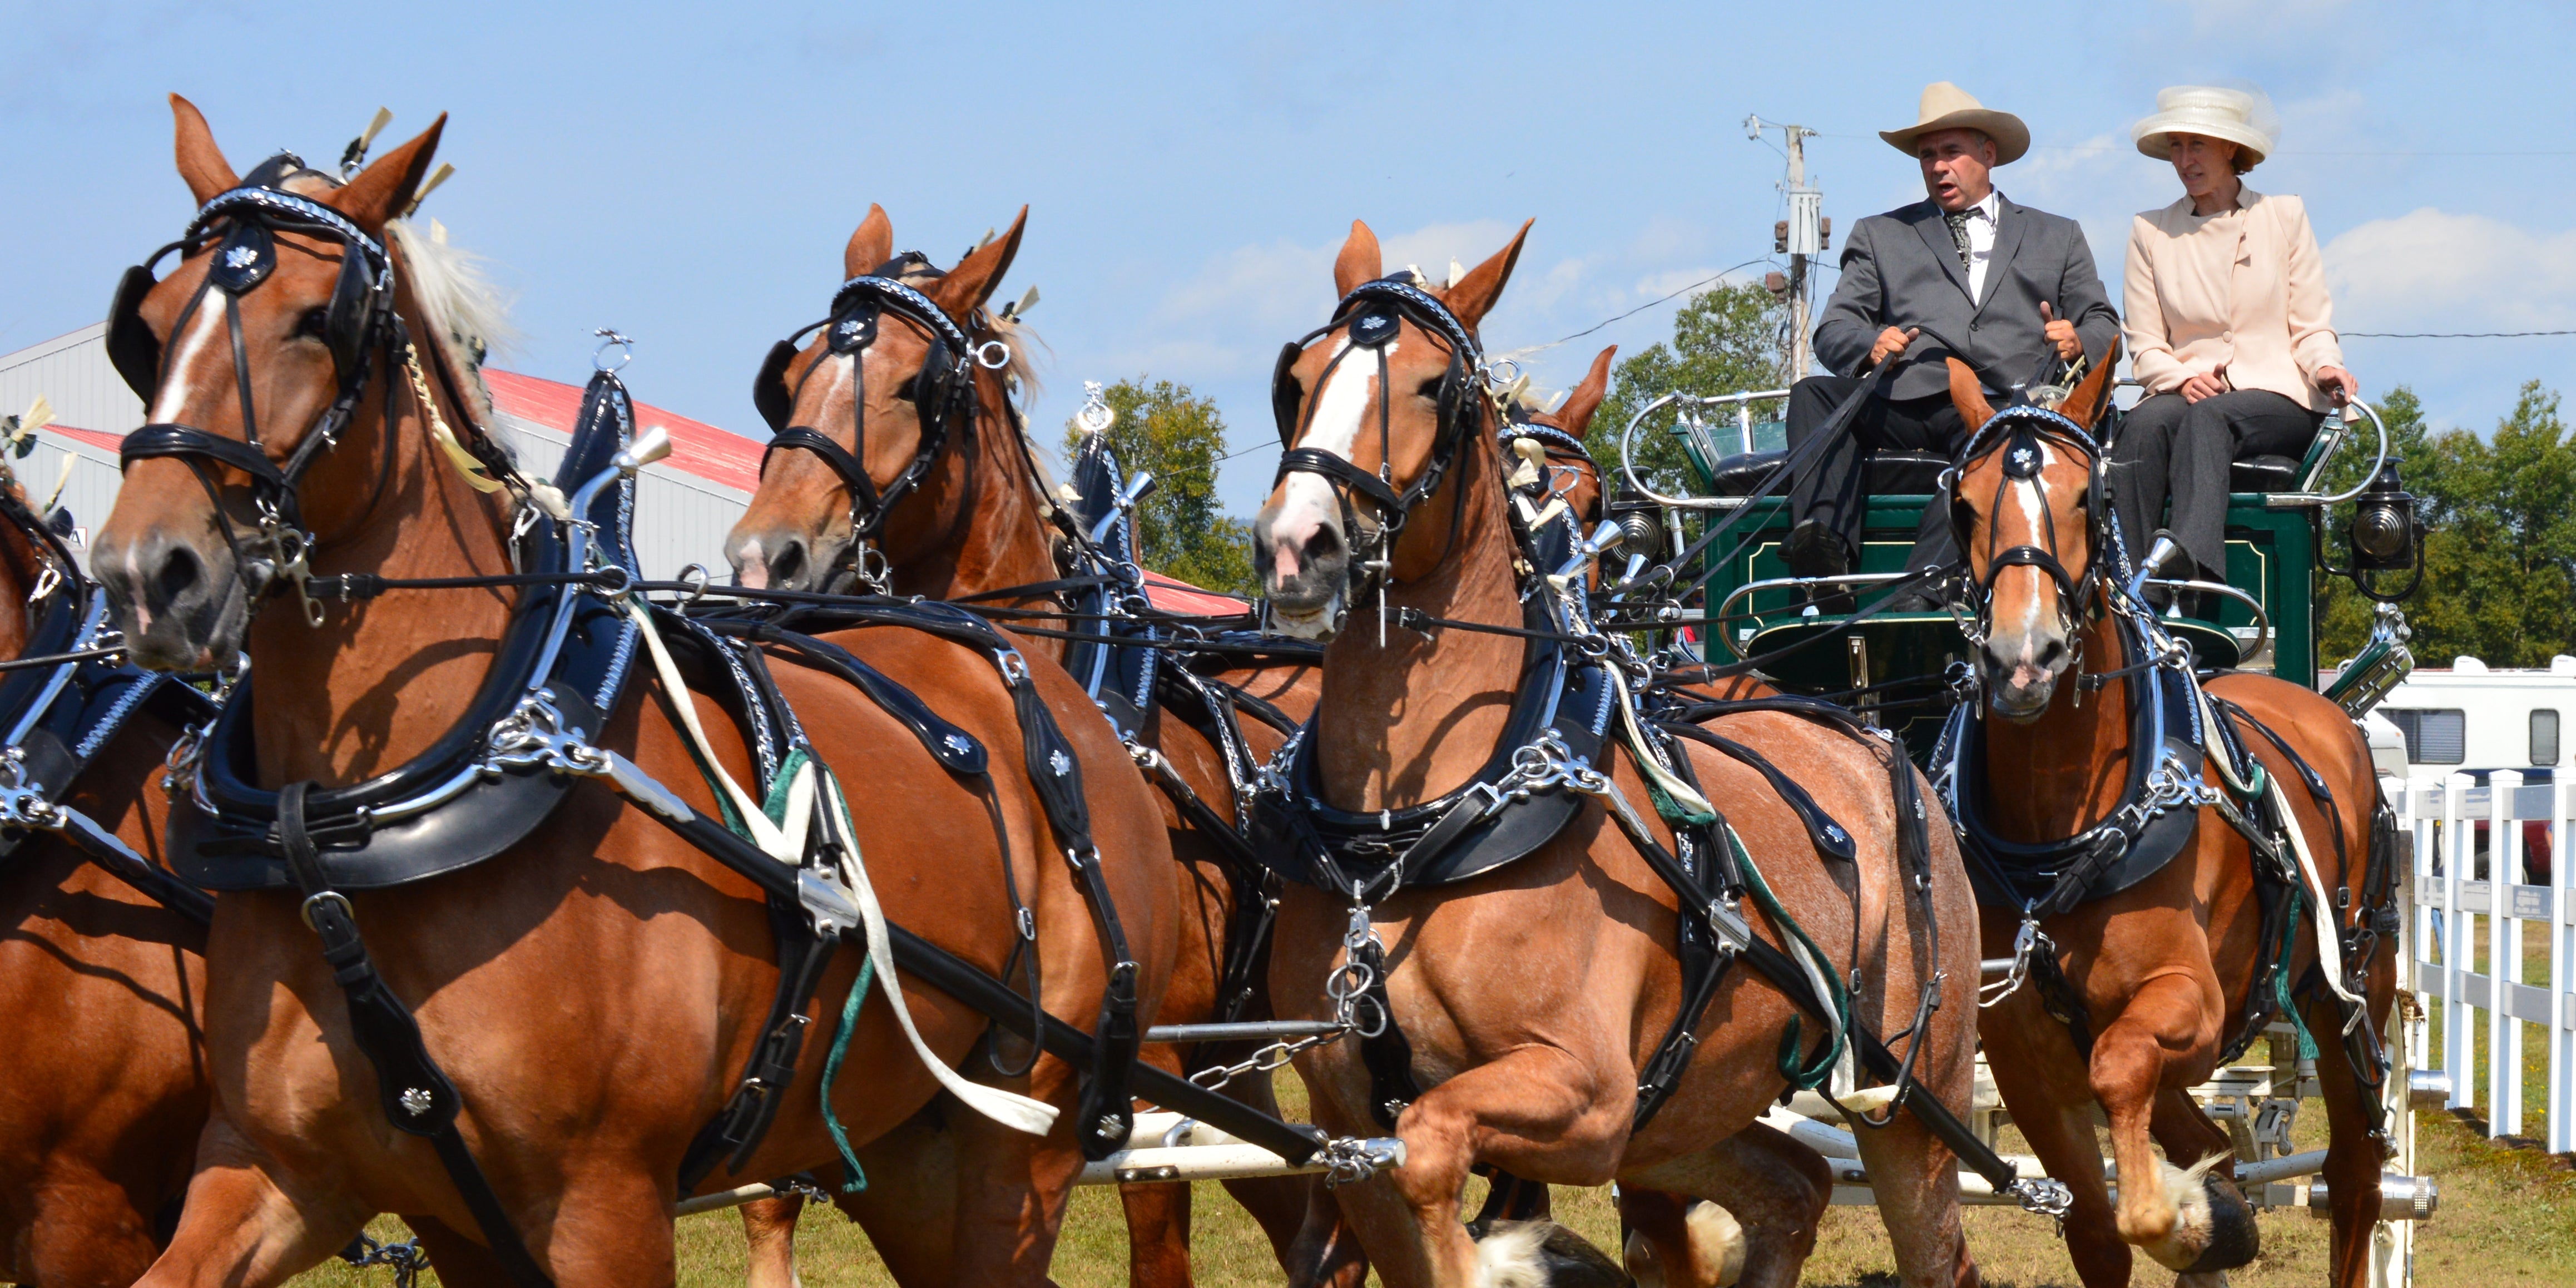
(1716, 1245)
(1541, 1254)
(2213, 1229)
(2212, 1279)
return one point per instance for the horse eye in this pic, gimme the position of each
(312, 322)
(1430, 388)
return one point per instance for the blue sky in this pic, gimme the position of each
(688, 173)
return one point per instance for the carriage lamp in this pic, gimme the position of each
(1641, 523)
(2383, 530)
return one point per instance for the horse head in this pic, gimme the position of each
(251, 358)
(893, 374)
(1374, 408)
(2023, 497)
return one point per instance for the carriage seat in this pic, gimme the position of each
(2263, 474)
(1891, 472)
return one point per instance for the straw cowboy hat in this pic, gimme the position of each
(1948, 107)
(2242, 117)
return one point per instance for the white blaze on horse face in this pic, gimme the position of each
(2031, 503)
(175, 387)
(1307, 503)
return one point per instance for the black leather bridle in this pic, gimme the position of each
(1371, 313)
(2019, 432)
(943, 391)
(241, 226)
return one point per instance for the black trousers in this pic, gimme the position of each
(2180, 450)
(1834, 488)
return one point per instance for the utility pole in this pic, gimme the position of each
(1805, 234)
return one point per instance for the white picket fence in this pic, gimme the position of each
(2475, 892)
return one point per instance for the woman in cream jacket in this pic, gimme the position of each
(2228, 327)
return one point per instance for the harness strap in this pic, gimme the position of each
(417, 1096)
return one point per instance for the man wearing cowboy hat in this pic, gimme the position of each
(1964, 273)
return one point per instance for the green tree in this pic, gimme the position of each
(1165, 429)
(1727, 339)
(2500, 553)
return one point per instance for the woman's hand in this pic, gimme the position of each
(2199, 387)
(2338, 384)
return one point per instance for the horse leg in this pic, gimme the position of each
(2167, 1207)
(612, 1226)
(459, 1261)
(243, 1227)
(2044, 1083)
(1279, 1204)
(1158, 1214)
(1770, 1189)
(86, 1232)
(1534, 1099)
(769, 1241)
(2354, 1160)
(1012, 1189)
(1326, 1253)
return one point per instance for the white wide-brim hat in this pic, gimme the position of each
(2242, 117)
(1947, 107)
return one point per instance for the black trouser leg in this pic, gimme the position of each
(2210, 435)
(1828, 491)
(2141, 470)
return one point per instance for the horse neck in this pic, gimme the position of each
(1413, 718)
(378, 682)
(2066, 770)
(994, 534)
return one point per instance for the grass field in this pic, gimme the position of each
(2508, 1218)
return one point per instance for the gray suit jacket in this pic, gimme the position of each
(1900, 269)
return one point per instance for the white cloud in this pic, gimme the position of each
(2431, 270)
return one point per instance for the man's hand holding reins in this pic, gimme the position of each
(1891, 342)
(2060, 334)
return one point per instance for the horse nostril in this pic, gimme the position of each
(788, 564)
(2049, 652)
(179, 573)
(1324, 546)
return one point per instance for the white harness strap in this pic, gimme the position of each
(788, 846)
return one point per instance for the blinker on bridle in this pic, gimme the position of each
(942, 393)
(242, 224)
(1371, 315)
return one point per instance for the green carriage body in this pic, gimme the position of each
(2274, 543)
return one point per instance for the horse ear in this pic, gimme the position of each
(871, 245)
(1968, 396)
(972, 282)
(1576, 415)
(384, 190)
(2084, 406)
(201, 163)
(1474, 295)
(1360, 260)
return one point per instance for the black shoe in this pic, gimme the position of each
(1813, 550)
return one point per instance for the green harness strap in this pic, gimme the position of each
(854, 1180)
(1813, 1074)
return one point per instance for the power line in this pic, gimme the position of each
(1541, 348)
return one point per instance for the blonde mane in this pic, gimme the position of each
(464, 313)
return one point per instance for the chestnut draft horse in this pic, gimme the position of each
(1525, 1003)
(102, 967)
(594, 992)
(2165, 972)
(962, 511)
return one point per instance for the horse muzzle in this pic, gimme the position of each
(779, 559)
(1303, 557)
(2021, 676)
(180, 607)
